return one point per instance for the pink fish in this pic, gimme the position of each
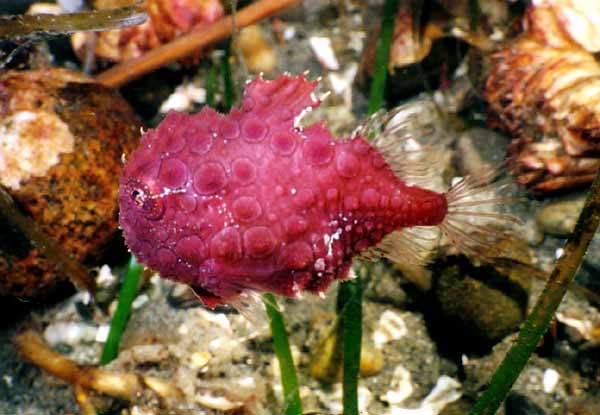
(251, 202)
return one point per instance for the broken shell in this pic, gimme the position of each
(61, 141)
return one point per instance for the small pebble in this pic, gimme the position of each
(200, 359)
(149, 353)
(559, 218)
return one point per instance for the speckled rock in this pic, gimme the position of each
(62, 138)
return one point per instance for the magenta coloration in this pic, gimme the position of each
(249, 201)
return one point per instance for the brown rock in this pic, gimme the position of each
(62, 138)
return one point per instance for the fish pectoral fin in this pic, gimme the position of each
(207, 298)
(247, 302)
(415, 245)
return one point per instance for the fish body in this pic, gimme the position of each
(250, 201)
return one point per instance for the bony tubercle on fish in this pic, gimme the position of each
(249, 202)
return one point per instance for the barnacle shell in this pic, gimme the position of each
(553, 90)
(566, 21)
(61, 141)
(544, 88)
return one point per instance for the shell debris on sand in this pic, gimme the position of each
(445, 391)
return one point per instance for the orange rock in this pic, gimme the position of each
(62, 138)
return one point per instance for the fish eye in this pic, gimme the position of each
(138, 197)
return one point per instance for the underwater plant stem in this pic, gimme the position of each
(349, 300)
(380, 71)
(289, 379)
(119, 320)
(538, 321)
(185, 45)
(349, 306)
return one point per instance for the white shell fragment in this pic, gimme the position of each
(71, 333)
(323, 50)
(550, 380)
(401, 385)
(391, 326)
(220, 403)
(105, 277)
(102, 333)
(183, 98)
(582, 326)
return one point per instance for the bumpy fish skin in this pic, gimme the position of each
(249, 201)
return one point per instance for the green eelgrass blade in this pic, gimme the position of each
(382, 56)
(474, 14)
(228, 86)
(538, 321)
(349, 307)
(119, 320)
(349, 300)
(289, 379)
(210, 85)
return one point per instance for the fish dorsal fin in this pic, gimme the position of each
(413, 140)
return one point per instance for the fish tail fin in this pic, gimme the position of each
(474, 223)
